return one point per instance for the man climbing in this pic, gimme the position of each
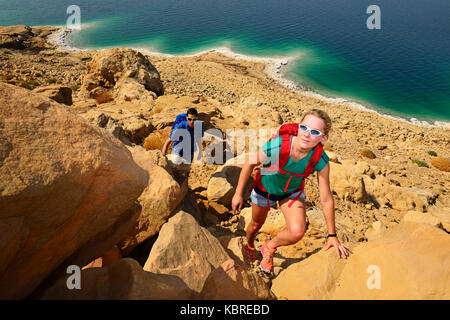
(186, 135)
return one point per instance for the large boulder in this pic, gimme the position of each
(442, 164)
(187, 250)
(443, 215)
(344, 226)
(312, 278)
(223, 182)
(112, 125)
(58, 93)
(382, 193)
(137, 128)
(25, 37)
(375, 231)
(409, 261)
(161, 196)
(103, 243)
(232, 281)
(129, 126)
(62, 184)
(15, 37)
(421, 217)
(123, 280)
(359, 182)
(131, 90)
(125, 70)
(347, 184)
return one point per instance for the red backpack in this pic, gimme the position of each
(286, 131)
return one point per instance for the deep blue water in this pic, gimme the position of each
(403, 69)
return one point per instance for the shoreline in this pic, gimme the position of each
(273, 69)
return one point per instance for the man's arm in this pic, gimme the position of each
(166, 146)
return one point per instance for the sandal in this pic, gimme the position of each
(250, 253)
(267, 253)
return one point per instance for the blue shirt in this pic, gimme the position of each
(177, 138)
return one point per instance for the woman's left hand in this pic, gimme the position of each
(342, 251)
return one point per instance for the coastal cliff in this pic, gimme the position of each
(83, 182)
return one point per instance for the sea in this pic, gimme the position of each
(390, 56)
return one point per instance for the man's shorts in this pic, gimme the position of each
(261, 201)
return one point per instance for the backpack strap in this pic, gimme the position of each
(313, 161)
(257, 178)
(284, 151)
(290, 129)
(281, 162)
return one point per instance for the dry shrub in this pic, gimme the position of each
(441, 164)
(327, 147)
(156, 139)
(334, 160)
(420, 163)
(8, 77)
(368, 154)
(156, 110)
(104, 97)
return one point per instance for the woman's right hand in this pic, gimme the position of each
(237, 202)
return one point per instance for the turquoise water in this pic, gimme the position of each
(403, 69)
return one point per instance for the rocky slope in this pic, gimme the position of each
(83, 129)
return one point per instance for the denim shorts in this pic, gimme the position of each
(261, 201)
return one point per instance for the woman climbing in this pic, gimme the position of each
(288, 158)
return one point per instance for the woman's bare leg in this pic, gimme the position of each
(295, 218)
(259, 215)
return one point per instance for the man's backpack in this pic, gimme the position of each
(286, 131)
(179, 119)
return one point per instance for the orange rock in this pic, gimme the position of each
(67, 181)
(97, 263)
(186, 250)
(111, 256)
(410, 261)
(124, 280)
(231, 281)
(441, 164)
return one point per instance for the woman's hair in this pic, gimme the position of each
(320, 114)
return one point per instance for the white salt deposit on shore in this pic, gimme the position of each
(273, 69)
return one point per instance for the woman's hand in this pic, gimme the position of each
(341, 249)
(237, 202)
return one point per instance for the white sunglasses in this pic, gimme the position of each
(313, 132)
